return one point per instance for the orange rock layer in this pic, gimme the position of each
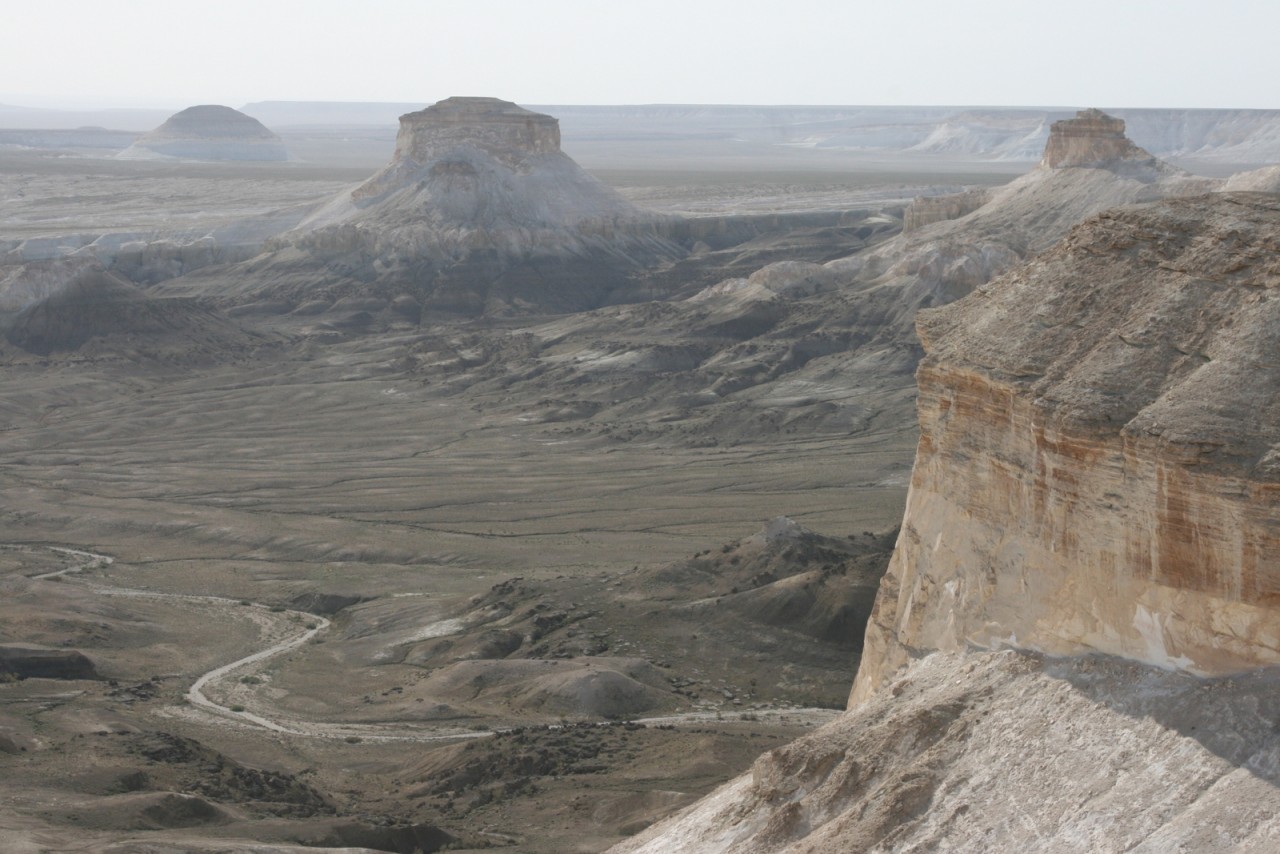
(1034, 523)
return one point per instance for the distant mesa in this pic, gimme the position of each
(208, 132)
(478, 211)
(1092, 137)
(480, 173)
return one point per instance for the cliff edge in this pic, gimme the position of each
(1075, 646)
(1099, 461)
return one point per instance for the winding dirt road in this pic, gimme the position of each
(279, 629)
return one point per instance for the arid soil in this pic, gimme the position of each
(430, 558)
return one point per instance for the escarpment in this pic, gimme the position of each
(1099, 461)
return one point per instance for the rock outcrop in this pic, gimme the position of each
(1264, 180)
(927, 210)
(208, 132)
(1099, 463)
(31, 661)
(1010, 752)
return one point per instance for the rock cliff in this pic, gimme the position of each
(1076, 642)
(208, 132)
(1099, 462)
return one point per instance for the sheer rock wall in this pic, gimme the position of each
(1099, 461)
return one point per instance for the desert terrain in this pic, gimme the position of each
(299, 549)
(174, 504)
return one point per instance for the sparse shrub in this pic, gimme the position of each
(237, 708)
(277, 609)
(250, 680)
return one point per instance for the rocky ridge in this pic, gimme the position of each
(75, 308)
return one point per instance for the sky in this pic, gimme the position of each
(1111, 53)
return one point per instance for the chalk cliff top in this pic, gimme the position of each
(1160, 321)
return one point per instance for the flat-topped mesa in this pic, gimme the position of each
(449, 137)
(478, 210)
(499, 127)
(1090, 138)
(483, 174)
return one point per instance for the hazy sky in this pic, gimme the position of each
(173, 53)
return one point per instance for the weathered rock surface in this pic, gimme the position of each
(927, 210)
(1264, 180)
(1100, 454)
(208, 132)
(1007, 752)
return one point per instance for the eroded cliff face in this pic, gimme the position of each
(1099, 462)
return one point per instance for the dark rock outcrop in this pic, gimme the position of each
(70, 305)
(31, 661)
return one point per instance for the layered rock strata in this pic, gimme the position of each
(208, 132)
(1099, 461)
(1091, 137)
(480, 209)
